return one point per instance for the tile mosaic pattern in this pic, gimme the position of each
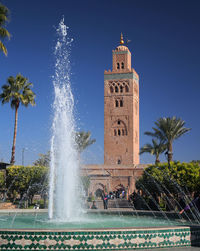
(109, 239)
(195, 236)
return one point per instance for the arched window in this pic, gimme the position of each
(126, 88)
(118, 161)
(118, 66)
(122, 65)
(121, 103)
(115, 132)
(116, 103)
(116, 89)
(111, 89)
(121, 88)
(122, 132)
(118, 122)
(119, 132)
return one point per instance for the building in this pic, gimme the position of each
(121, 110)
(121, 165)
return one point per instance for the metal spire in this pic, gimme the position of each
(121, 39)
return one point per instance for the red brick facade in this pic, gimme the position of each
(121, 111)
(121, 127)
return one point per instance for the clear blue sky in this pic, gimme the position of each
(165, 49)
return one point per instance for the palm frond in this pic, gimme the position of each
(83, 140)
(4, 33)
(16, 91)
(3, 48)
(4, 13)
(167, 129)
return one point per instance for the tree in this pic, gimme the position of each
(161, 181)
(85, 181)
(44, 160)
(155, 149)
(17, 91)
(83, 140)
(27, 181)
(2, 180)
(3, 32)
(168, 129)
(196, 161)
(180, 177)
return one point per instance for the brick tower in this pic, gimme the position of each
(121, 110)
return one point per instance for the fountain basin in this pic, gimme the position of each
(81, 236)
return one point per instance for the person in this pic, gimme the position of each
(36, 206)
(94, 205)
(181, 202)
(111, 196)
(117, 194)
(105, 200)
(194, 203)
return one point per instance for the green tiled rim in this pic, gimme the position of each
(118, 76)
(98, 239)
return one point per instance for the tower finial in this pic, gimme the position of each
(121, 39)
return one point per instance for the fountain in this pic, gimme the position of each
(64, 160)
(66, 227)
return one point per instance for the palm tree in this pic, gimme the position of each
(83, 140)
(44, 160)
(3, 32)
(156, 148)
(168, 129)
(16, 91)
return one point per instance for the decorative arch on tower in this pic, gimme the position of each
(119, 87)
(118, 102)
(119, 128)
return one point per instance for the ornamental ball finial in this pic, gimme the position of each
(121, 39)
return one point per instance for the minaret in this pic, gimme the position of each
(121, 110)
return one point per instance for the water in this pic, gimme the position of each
(100, 221)
(64, 203)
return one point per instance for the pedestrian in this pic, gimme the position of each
(94, 206)
(105, 200)
(194, 203)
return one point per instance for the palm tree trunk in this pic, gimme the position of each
(12, 161)
(157, 161)
(170, 153)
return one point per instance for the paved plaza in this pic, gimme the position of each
(179, 249)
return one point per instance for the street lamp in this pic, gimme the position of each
(23, 150)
